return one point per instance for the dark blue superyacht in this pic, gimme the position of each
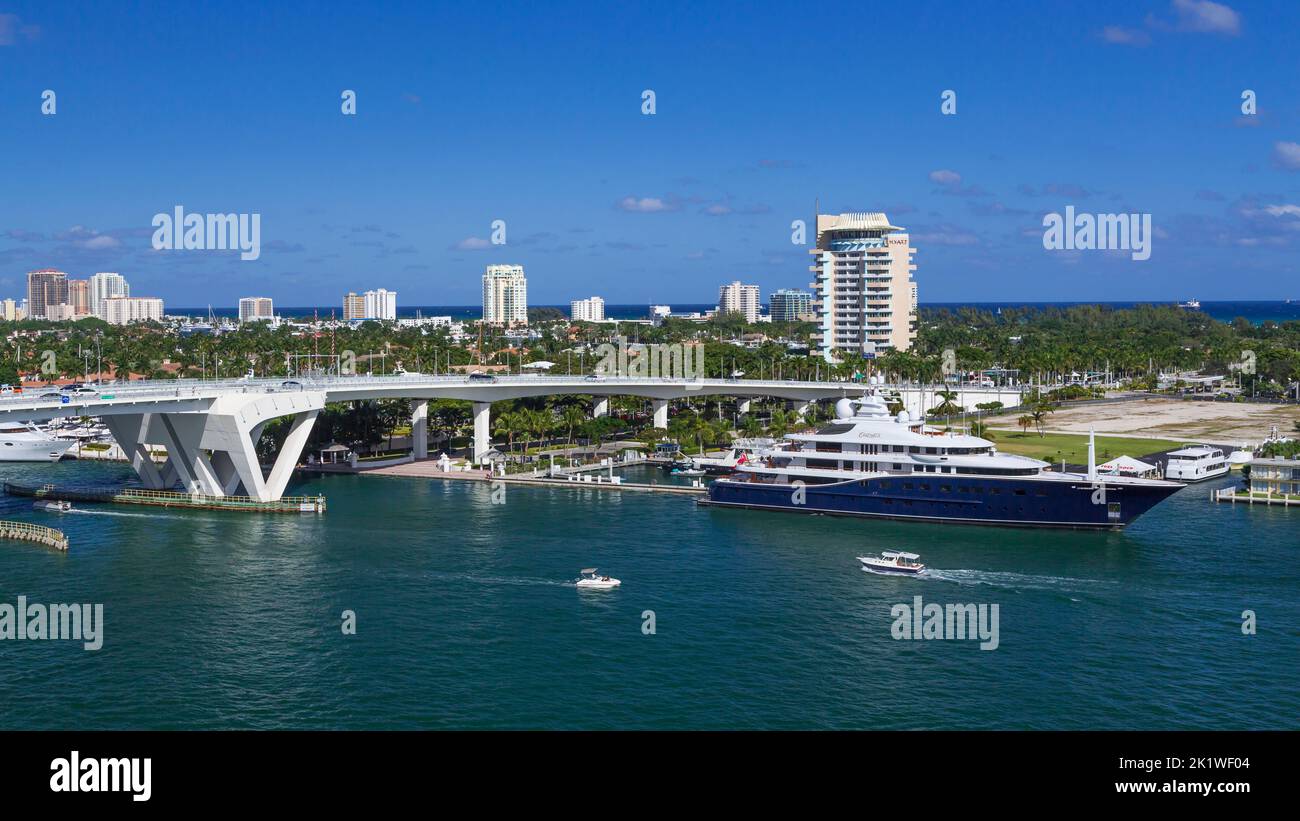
(871, 463)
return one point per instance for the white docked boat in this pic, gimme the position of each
(742, 451)
(893, 561)
(52, 505)
(592, 580)
(24, 442)
(1196, 463)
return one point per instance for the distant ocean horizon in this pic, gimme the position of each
(1254, 311)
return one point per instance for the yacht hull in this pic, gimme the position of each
(955, 499)
(20, 449)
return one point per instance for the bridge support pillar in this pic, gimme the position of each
(129, 431)
(214, 452)
(742, 405)
(601, 407)
(661, 413)
(420, 428)
(482, 429)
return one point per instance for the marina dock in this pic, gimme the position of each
(585, 481)
(1245, 497)
(28, 532)
(168, 498)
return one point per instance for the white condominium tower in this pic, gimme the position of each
(505, 295)
(863, 294)
(739, 299)
(591, 309)
(256, 308)
(123, 310)
(380, 304)
(104, 286)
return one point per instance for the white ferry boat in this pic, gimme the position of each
(871, 463)
(24, 442)
(1196, 463)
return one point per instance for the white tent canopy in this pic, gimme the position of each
(542, 365)
(1126, 466)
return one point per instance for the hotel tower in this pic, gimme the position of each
(863, 294)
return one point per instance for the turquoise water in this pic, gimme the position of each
(467, 618)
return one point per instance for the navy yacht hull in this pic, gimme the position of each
(1053, 502)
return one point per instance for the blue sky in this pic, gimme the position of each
(469, 113)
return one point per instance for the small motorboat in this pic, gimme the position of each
(893, 561)
(52, 505)
(591, 579)
(688, 471)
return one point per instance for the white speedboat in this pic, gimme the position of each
(52, 505)
(591, 579)
(893, 561)
(24, 442)
(1196, 463)
(1191, 305)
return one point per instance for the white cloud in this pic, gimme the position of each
(1287, 155)
(100, 242)
(945, 177)
(1119, 35)
(472, 244)
(646, 205)
(11, 28)
(1206, 16)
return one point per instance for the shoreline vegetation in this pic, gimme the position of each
(1048, 347)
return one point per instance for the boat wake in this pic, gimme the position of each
(1012, 580)
(85, 512)
(514, 580)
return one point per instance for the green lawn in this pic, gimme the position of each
(1074, 446)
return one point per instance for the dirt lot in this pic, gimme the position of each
(1217, 422)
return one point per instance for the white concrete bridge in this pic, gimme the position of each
(210, 428)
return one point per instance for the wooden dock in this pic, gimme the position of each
(27, 532)
(168, 498)
(429, 470)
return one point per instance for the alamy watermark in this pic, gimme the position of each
(1099, 232)
(53, 622)
(645, 361)
(179, 231)
(919, 621)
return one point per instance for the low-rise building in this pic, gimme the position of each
(1276, 475)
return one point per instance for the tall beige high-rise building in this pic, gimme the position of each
(863, 294)
(79, 296)
(256, 309)
(354, 306)
(505, 295)
(45, 287)
(739, 299)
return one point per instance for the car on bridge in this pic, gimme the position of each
(479, 376)
(78, 390)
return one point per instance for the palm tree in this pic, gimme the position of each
(572, 417)
(1024, 422)
(508, 424)
(948, 406)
